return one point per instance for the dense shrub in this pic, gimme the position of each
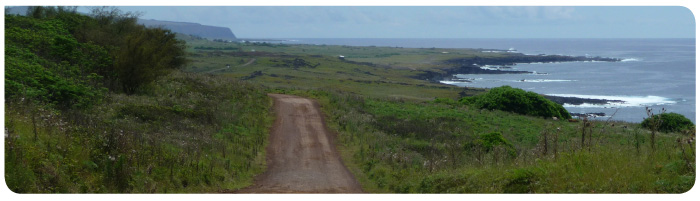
(45, 63)
(57, 56)
(448, 183)
(185, 132)
(519, 181)
(488, 141)
(669, 122)
(145, 55)
(510, 99)
(69, 135)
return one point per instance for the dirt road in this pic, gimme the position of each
(244, 65)
(301, 155)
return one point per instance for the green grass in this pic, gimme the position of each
(375, 80)
(192, 132)
(395, 138)
(407, 146)
(185, 133)
(396, 57)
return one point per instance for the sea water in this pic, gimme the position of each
(655, 73)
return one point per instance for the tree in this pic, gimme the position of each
(145, 55)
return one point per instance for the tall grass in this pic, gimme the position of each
(404, 146)
(183, 133)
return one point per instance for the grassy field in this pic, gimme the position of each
(397, 138)
(406, 146)
(393, 57)
(185, 133)
(274, 67)
(204, 128)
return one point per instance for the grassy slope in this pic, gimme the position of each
(196, 133)
(395, 57)
(422, 147)
(70, 129)
(376, 80)
(395, 139)
(186, 133)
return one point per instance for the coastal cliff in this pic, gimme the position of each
(204, 31)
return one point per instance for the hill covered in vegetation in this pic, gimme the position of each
(401, 133)
(97, 104)
(101, 104)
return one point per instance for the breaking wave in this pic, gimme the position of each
(629, 59)
(545, 80)
(627, 101)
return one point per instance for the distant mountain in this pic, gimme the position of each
(205, 31)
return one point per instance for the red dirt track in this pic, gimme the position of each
(301, 155)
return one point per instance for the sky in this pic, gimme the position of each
(435, 22)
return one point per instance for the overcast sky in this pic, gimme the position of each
(436, 22)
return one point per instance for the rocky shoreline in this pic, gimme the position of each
(589, 115)
(502, 65)
(476, 65)
(579, 101)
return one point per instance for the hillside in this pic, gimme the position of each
(205, 31)
(101, 104)
(398, 132)
(92, 110)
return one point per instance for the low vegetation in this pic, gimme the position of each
(406, 146)
(88, 112)
(185, 133)
(669, 122)
(510, 99)
(95, 105)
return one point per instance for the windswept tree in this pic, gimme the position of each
(145, 55)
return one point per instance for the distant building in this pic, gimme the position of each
(341, 57)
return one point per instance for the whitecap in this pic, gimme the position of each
(627, 101)
(452, 82)
(590, 105)
(630, 59)
(545, 80)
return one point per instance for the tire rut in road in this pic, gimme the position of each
(301, 155)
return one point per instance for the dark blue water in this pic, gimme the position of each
(656, 73)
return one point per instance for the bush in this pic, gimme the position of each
(510, 99)
(670, 122)
(519, 181)
(45, 63)
(487, 142)
(57, 56)
(146, 55)
(448, 183)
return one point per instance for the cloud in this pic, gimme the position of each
(559, 13)
(529, 13)
(443, 21)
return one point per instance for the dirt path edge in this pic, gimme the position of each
(301, 154)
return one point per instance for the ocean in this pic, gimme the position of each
(655, 73)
